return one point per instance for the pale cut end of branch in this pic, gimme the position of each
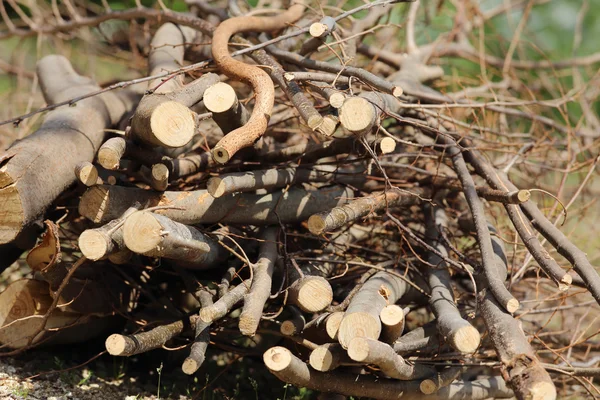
(336, 100)
(440, 380)
(317, 223)
(520, 196)
(329, 125)
(357, 115)
(358, 349)
(392, 323)
(428, 386)
(189, 366)
(289, 327)
(288, 76)
(311, 294)
(318, 30)
(358, 324)
(12, 217)
(332, 324)
(117, 345)
(216, 187)
(94, 245)
(465, 339)
(565, 283)
(314, 121)
(397, 91)
(160, 177)
(277, 358)
(542, 391)
(111, 152)
(512, 305)
(173, 124)
(248, 325)
(220, 154)
(220, 98)
(87, 174)
(387, 145)
(326, 357)
(142, 232)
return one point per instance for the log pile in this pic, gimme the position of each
(337, 208)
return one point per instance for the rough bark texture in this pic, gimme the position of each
(459, 333)
(260, 81)
(35, 170)
(260, 290)
(103, 203)
(158, 236)
(339, 216)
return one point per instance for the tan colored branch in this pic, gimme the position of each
(198, 349)
(424, 339)
(275, 178)
(121, 345)
(110, 153)
(260, 81)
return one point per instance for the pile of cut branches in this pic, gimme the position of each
(281, 185)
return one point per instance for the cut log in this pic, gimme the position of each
(164, 119)
(110, 153)
(290, 369)
(294, 325)
(362, 315)
(228, 112)
(328, 357)
(87, 174)
(35, 170)
(310, 293)
(157, 236)
(459, 333)
(337, 217)
(372, 351)
(102, 203)
(392, 323)
(259, 293)
(99, 243)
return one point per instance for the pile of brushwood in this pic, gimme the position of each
(305, 184)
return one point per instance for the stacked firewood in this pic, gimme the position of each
(325, 205)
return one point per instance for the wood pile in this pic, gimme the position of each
(339, 209)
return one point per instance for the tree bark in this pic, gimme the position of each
(35, 170)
